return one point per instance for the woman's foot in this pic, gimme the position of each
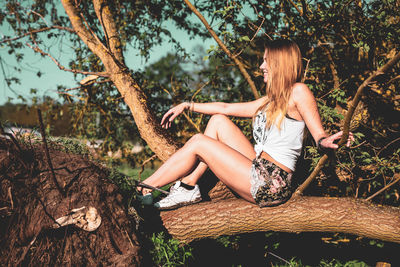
(180, 195)
(146, 199)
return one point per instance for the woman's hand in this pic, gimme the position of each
(328, 142)
(172, 114)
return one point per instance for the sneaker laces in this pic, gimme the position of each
(174, 188)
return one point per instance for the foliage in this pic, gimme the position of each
(284, 249)
(69, 145)
(168, 251)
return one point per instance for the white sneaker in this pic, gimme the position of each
(179, 196)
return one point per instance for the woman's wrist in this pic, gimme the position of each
(191, 106)
(319, 145)
(187, 105)
(321, 148)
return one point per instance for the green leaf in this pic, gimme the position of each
(245, 38)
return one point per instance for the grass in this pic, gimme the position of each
(134, 172)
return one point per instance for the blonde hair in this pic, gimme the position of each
(283, 58)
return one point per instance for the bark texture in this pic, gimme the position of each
(301, 214)
(111, 55)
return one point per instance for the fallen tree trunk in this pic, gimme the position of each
(301, 214)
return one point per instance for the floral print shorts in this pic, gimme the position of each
(270, 185)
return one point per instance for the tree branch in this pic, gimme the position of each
(336, 81)
(83, 32)
(106, 19)
(36, 31)
(38, 50)
(397, 176)
(86, 84)
(296, 7)
(47, 153)
(349, 115)
(237, 62)
(360, 90)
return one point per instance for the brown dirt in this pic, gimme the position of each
(30, 201)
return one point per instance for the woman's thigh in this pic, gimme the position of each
(229, 165)
(224, 130)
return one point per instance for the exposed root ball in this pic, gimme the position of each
(82, 221)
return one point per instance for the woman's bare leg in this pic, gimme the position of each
(230, 166)
(224, 130)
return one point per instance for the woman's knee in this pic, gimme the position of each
(218, 119)
(217, 123)
(195, 140)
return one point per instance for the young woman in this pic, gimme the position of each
(262, 173)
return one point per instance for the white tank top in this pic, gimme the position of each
(282, 145)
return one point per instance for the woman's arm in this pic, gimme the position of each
(307, 107)
(244, 109)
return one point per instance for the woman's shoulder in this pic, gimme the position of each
(300, 87)
(300, 92)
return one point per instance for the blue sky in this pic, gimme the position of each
(53, 76)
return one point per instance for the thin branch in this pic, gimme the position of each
(36, 31)
(384, 188)
(278, 257)
(349, 115)
(38, 50)
(306, 69)
(394, 79)
(360, 90)
(199, 90)
(143, 164)
(237, 62)
(67, 94)
(39, 15)
(89, 83)
(312, 176)
(192, 122)
(26, 249)
(252, 24)
(332, 66)
(46, 149)
(296, 7)
(395, 140)
(11, 198)
(254, 36)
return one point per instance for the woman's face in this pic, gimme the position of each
(264, 67)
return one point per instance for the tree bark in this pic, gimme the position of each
(157, 138)
(300, 214)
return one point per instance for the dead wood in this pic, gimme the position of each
(31, 233)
